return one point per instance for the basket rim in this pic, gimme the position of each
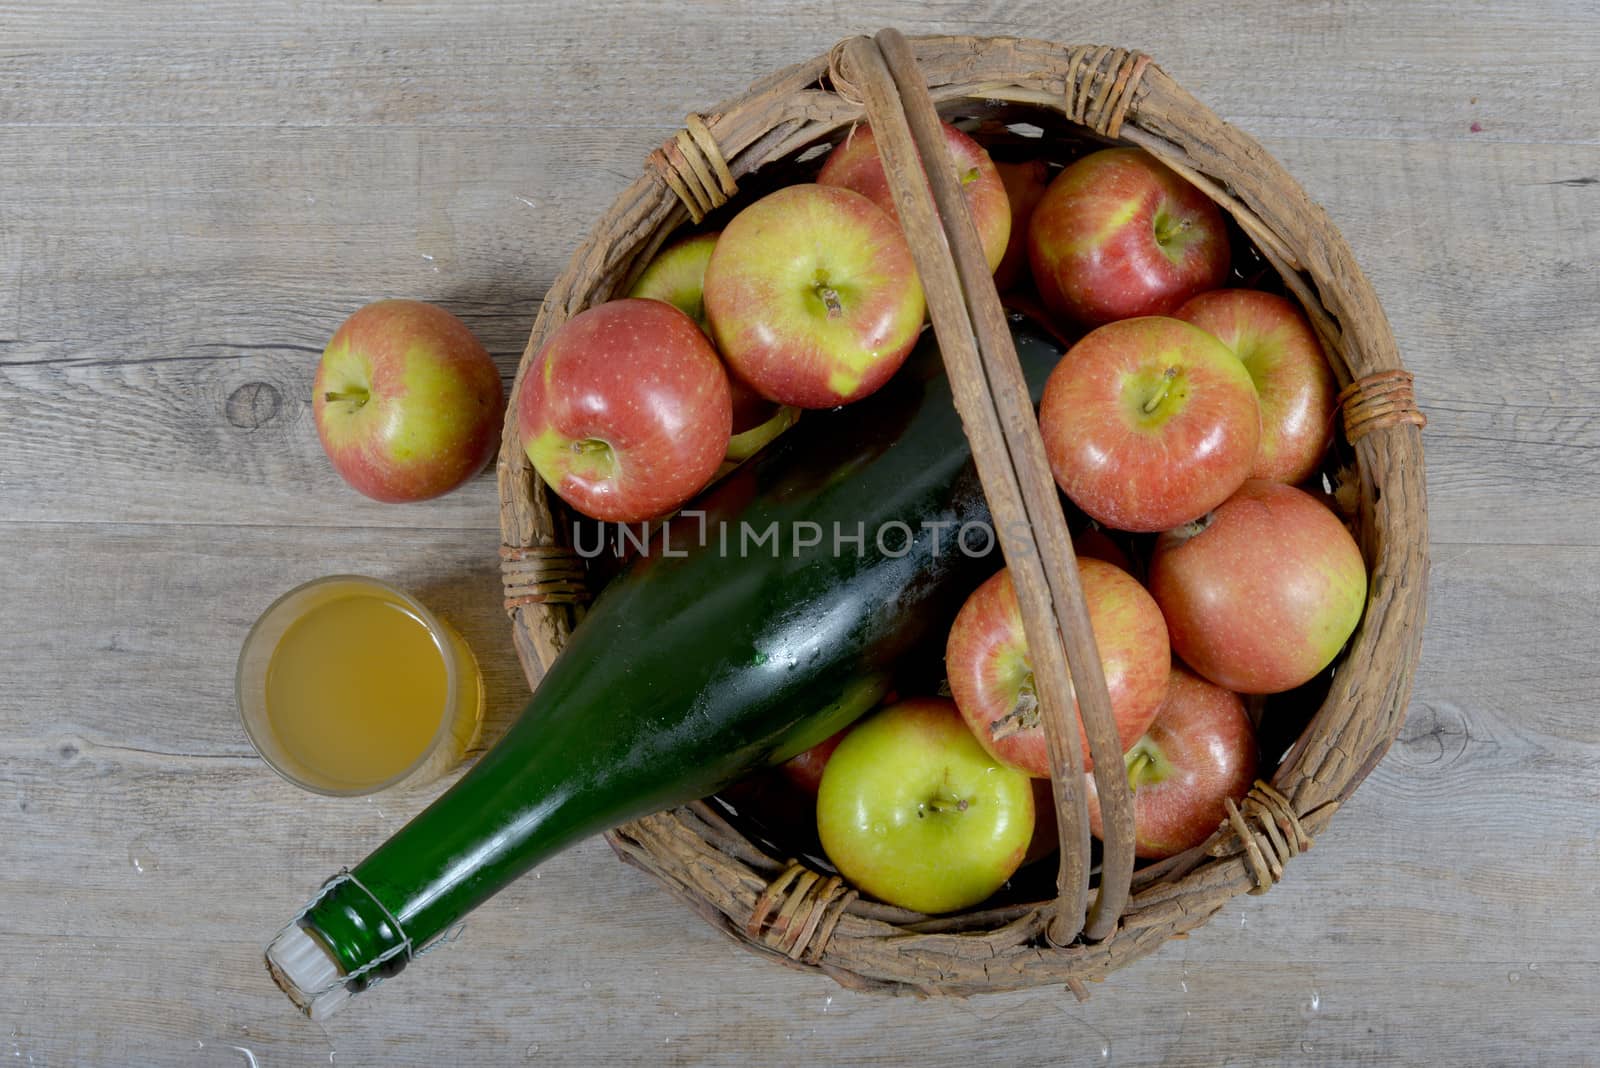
(866, 945)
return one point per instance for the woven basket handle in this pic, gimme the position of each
(997, 414)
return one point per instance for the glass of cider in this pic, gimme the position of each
(349, 686)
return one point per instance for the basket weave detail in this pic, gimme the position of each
(541, 574)
(1379, 401)
(692, 166)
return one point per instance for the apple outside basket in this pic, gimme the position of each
(1006, 89)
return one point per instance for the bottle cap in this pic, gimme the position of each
(307, 972)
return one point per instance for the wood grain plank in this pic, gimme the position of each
(106, 754)
(171, 310)
(193, 195)
(1361, 69)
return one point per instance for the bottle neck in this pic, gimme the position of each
(359, 931)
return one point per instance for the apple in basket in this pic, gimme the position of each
(677, 275)
(1199, 751)
(913, 811)
(813, 297)
(1261, 594)
(1275, 343)
(407, 401)
(625, 411)
(1149, 423)
(991, 675)
(1118, 235)
(1025, 183)
(855, 164)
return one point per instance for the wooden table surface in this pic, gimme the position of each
(193, 195)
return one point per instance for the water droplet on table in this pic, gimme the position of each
(1514, 977)
(1306, 1047)
(531, 1051)
(141, 856)
(1315, 1003)
(587, 984)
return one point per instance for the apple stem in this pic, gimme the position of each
(1166, 231)
(1024, 714)
(1161, 391)
(357, 394)
(945, 805)
(1136, 770)
(830, 300)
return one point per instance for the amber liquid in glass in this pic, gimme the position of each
(356, 690)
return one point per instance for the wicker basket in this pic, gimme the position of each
(1012, 88)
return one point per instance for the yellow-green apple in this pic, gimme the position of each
(855, 164)
(1262, 593)
(1149, 423)
(1274, 341)
(625, 411)
(407, 401)
(677, 275)
(991, 674)
(1118, 235)
(1199, 751)
(913, 811)
(1025, 184)
(813, 296)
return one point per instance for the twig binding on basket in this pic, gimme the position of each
(541, 574)
(1100, 85)
(692, 166)
(1379, 400)
(1280, 836)
(798, 911)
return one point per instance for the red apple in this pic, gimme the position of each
(1119, 235)
(1025, 185)
(1261, 594)
(1046, 825)
(625, 410)
(1149, 423)
(805, 770)
(854, 164)
(813, 296)
(1199, 751)
(677, 275)
(1096, 543)
(1275, 343)
(991, 675)
(406, 401)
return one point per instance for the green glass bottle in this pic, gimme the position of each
(770, 614)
